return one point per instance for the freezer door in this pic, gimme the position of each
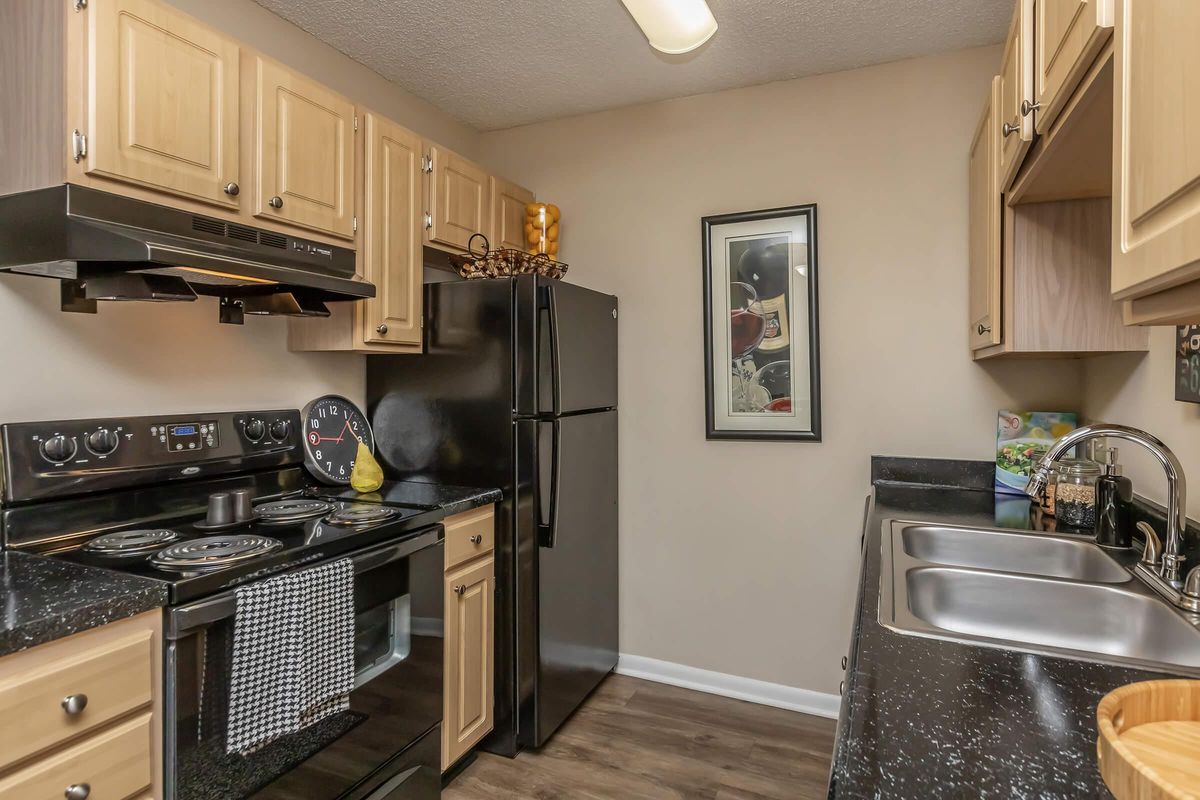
(576, 563)
(566, 340)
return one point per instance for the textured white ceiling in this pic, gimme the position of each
(499, 63)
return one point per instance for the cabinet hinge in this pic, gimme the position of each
(426, 164)
(428, 220)
(78, 145)
(356, 224)
(356, 122)
(422, 320)
(80, 5)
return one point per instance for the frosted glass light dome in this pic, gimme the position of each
(673, 26)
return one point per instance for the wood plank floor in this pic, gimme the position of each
(634, 739)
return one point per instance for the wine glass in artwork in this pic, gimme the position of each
(772, 387)
(747, 326)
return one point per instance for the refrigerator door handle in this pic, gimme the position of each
(548, 530)
(555, 358)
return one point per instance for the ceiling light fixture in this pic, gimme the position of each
(673, 26)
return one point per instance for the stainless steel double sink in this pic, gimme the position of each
(1032, 592)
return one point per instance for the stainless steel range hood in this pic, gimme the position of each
(108, 247)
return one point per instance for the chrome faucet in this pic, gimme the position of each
(1171, 560)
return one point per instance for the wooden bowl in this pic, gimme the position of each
(1149, 744)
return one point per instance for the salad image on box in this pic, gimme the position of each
(1022, 438)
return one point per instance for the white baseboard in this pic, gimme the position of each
(739, 688)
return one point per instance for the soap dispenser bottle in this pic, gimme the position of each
(1114, 506)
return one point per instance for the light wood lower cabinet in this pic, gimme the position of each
(84, 710)
(470, 633)
(1156, 164)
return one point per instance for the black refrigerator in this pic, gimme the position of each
(517, 389)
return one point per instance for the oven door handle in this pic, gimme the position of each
(182, 621)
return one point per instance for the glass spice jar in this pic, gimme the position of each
(1075, 493)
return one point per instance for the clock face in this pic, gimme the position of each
(333, 427)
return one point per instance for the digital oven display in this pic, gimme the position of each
(189, 436)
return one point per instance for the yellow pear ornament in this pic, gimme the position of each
(367, 475)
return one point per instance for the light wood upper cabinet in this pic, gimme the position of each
(1069, 34)
(984, 211)
(508, 214)
(162, 101)
(303, 149)
(458, 199)
(1016, 88)
(391, 242)
(1156, 144)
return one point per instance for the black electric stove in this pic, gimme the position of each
(207, 504)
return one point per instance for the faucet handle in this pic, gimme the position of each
(1191, 584)
(1152, 553)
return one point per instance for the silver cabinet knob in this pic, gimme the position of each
(459, 590)
(842, 687)
(74, 703)
(428, 220)
(844, 662)
(1008, 129)
(381, 329)
(78, 791)
(476, 539)
(275, 202)
(1028, 108)
(232, 189)
(982, 329)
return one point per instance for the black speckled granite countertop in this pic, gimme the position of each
(42, 599)
(931, 718)
(451, 499)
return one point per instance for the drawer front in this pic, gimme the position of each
(114, 765)
(114, 673)
(469, 535)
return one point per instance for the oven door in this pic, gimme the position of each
(379, 746)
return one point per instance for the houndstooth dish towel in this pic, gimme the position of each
(293, 654)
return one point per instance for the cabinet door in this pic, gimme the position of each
(391, 256)
(1156, 144)
(457, 199)
(1016, 87)
(985, 208)
(469, 658)
(508, 214)
(162, 101)
(304, 151)
(1068, 36)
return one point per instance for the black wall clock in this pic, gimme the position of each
(333, 427)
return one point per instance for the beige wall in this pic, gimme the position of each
(143, 358)
(1139, 390)
(743, 557)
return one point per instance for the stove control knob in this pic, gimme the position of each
(280, 429)
(102, 442)
(58, 449)
(255, 430)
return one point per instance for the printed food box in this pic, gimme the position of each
(1022, 438)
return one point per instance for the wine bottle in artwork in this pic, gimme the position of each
(765, 266)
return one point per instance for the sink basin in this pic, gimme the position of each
(1006, 551)
(1089, 618)
(1030, 592)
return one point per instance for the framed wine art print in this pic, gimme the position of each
(761, 346)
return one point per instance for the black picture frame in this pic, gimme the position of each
(707, 224)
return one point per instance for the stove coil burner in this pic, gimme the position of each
(214, 551)
(282, 511)
(130, 543)
(360, 515)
